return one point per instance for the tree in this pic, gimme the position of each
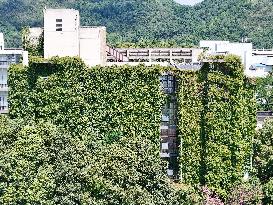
(264, 93)
(263, 152)
(43, 164)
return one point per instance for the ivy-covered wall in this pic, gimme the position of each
(216, 125)
(216, 111)
(189, 126)
(125, 100)
(114, 113)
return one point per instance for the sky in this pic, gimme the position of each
(188, 2)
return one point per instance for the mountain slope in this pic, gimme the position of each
(148, 21)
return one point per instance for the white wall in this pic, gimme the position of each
(212, 45)
(92, 45)
(34, 35)
(65, 42)
(244, 50)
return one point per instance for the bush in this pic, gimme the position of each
(43, 164)
(268, 192)
(246, 193)
(263, 152)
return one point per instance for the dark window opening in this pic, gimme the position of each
(59, 25)
(59, 20)
(59, 29)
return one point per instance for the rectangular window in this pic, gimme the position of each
(59, 20)
(59, 25)
(59, 29)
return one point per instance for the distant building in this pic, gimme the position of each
(8, 56)
(184, 56)
(63, 36)
(257, 63)
(244, 50)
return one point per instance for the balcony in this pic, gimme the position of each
(4, 87)
(4, 110)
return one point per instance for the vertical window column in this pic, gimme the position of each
(168, 130)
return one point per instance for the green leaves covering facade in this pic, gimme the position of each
(189, 125)
(125, 100)
(106, 147)
(115, 112)
(217, 123)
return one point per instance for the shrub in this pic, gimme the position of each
(268, 192)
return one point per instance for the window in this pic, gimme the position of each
(59, 25)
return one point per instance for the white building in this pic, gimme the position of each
(244, 50)
(262, 62)
(257, 63)
(8, 57)
(63, 36)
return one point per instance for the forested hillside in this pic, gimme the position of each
(152, 22)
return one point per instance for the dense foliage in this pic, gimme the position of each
(189, 115)
(217, 124)
(263, 148)
(115, 113)
(101, 145)
(118, 100)
(161, 23)
(35, 47)
(43, 164)
(263, 159)
(264, 93)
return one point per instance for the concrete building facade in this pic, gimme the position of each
(63, 36)
(7, 57)
(61, 32)
(1, 42)
(93, 45)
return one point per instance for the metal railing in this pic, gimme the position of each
(116, 54)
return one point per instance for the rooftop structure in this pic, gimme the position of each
(257, 63)
(179, 55)
(63, 36)
(244, 50)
